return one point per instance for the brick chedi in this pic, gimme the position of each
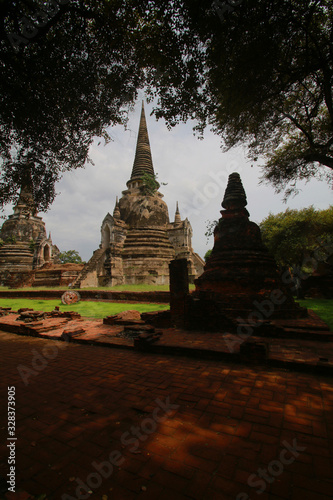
(240, 275)
(138, 241)
(25, 245)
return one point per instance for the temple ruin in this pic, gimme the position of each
(241, 280)
(138, 241)
(25, 246)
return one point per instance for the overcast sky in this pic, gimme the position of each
(196, 173)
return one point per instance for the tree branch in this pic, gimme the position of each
(320, 158)
(299, 126)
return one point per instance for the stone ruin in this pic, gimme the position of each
(27, 255)
(25, 245)
(240, 283)
(138, 241)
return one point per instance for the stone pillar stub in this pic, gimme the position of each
(179, 291)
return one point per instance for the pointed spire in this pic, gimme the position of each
(116, 211)
(26, 203)
(143, 162)
(177, 215)
(234, 196)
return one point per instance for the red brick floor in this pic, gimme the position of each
(314, 354)
(83, 406)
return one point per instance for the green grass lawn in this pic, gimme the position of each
(85, 308)
(322, 307)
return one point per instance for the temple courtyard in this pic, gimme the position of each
(98, 422)
(227, 395)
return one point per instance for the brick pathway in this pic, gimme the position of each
(309, 355)
(173, 427)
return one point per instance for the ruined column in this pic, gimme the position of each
(179, 291)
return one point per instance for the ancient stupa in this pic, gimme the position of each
(138, 241)
(240, 278)
(25, 245)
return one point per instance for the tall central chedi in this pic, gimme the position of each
(138, 241)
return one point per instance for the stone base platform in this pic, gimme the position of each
(309, 346)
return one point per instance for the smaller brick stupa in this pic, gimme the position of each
(24, 244)
(240, 278)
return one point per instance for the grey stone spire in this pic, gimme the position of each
(143, 163)
(177, 215)
(116, 211)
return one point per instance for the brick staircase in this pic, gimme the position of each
(88, 267)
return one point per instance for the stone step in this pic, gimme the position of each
(295, 333)
(129, 322)
(139, 329)
(70, 333)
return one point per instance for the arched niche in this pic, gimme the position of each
(47, 253)
(106, 236)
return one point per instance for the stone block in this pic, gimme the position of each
(145, 339)
(71, 333)
(159, 319)
(138, 329)
(122, 318)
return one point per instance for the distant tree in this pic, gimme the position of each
(299, 239)
(208, 254)
(70, 256)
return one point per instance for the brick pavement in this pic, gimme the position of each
(295, 353)
(89, 405)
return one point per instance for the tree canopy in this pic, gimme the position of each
(299, 238)
(207, 254)
(259, 73)
(267, 82)
(61, 85)
(70, 256)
